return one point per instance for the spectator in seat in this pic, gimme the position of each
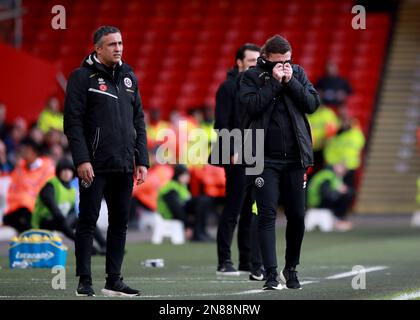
(14, 137)
(327, 190)
(145, 196)
(333, 88)
(5, 166)
(3, 125)
(27, 179)
(36, 134)
(156, 123)
(51, 117)
(346, 146)
(175, 202)
(324, 124)
(55, 205)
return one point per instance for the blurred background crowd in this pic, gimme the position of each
(181, 51)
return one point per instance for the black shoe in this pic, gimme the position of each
(245, 267)
(289, 277)
(202, 237)
(98, 251)
(102, 251)
(227, 269)
(272, 282)
(257, 275)
(84, 289)
(119, 289)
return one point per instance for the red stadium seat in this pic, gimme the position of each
(181, 50)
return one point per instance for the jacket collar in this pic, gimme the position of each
(92, 62)
(232, 73)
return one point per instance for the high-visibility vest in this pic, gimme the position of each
(26, 183)
(345, 148)
(50, 120)
(255, 208)
(214, 180)
(65, 199)
(418, 190)
(324, 123)
(314, 188)
(152, 131)
(147, 192)
(180, 189)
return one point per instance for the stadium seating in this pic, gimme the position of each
(181, 49)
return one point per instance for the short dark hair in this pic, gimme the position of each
(103, 31)
(29, 142)
(240, 54)
(276, 44)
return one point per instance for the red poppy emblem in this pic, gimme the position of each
(103, 87)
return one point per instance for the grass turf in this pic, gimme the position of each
(189, 271)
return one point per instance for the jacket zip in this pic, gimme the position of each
(297, 137)
(95, 142)
(119, 111)
(283, 139)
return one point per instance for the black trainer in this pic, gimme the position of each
(289, 277)
(257, 275)
(244, 267)
(272, 282)
(84, 289)
(227, 269)
(119, 289)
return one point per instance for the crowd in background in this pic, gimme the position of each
(337, 138)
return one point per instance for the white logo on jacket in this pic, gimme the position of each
(127, 82)
(259, 182)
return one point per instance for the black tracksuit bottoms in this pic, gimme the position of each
(238, 203)
(117, 188)
(284, 182)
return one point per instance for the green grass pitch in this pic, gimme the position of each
(189, 271)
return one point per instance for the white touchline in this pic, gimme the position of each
(308, 282)
(354, 273)
(408, 296)
(254, 291)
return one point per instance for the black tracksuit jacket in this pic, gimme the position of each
(103, 117)
(260, 93)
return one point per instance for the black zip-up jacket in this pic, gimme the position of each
(259, 93)
(226, 112)
(103, 117)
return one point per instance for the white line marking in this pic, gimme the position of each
(308, 282)
(246, 292)
(354, 273)
(28, 297)
(408, 296)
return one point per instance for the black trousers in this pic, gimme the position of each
(64, 226)
(67, 227)
(197, 211)
(284, 182)
(117, 189)
(19, 219)
(238, 203)
(256, 260)
(339, 206)
(318, 163)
